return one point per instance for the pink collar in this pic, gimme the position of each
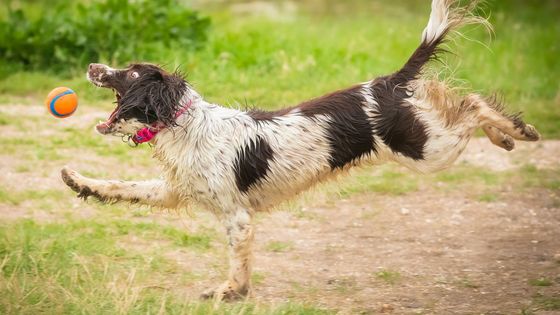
(148, 133)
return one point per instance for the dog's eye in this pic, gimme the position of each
(134, 75)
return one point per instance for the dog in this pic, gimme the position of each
(236, 163)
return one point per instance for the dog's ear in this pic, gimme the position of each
(153, 97)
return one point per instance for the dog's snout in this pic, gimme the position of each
(97, 67)
(98, 73)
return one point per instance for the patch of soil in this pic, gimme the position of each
(453, 254)
(481, 152)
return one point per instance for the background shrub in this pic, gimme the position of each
(115, 31)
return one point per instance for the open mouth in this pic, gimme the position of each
(93, 80)
(105, 127)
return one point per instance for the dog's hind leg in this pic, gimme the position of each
(152, 192)
(499, 138)
(240, 242)
(491, 114)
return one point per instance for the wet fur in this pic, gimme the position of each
(236, 163)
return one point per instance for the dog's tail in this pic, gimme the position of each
(446, 17)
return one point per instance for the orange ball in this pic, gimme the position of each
(62, 102)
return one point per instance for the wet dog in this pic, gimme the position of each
(236, 163)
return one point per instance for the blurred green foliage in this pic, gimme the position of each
(117, 31)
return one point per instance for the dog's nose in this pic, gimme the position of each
(95, 66)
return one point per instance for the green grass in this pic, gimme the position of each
(16, 198)
(459, 175)
(388, 276)
(540, 282)
(82, 267)
(257, 278)
(534, 177)
(467, 283)
(384, 179)
(546, 303)
(278, 246)
(488, 197)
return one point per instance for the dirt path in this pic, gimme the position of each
(453, 255)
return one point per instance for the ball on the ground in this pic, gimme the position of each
(62, 102)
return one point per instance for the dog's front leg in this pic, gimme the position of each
(151, 192)
(240, 242)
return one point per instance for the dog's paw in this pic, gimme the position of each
(73, 180)
(531, 133)
(507, 143)
(69, 178)
(225, 292)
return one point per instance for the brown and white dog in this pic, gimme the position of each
(236, 163)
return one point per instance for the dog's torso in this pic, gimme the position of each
(224, 158)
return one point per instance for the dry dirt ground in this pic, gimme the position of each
(430, 251)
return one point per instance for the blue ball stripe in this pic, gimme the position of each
(53, 110)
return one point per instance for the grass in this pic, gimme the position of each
(488, 197)
(17, 198)
(540, 282)
(468, 174)
(388, 276)
(383, 179)
(467, 283)
(279, 247)
(533, 177)
(546, 303)
(82, 266)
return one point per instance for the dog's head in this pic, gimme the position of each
(145, 94)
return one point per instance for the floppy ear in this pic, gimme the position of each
(153, 97)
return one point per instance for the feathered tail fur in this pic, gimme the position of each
(446, 17)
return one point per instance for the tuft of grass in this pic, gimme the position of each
(386, 181)
(534, 177)
(389, 276)
(16, 198)
(540, 282)
(487, 197)
(467, 283)
(475, 175)
(278, 246)
(547, 303)
(4, 121)
(156, 231)
(257, 278)
(24, 168)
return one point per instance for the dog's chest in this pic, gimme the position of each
(199, 174)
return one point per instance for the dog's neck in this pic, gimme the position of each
(202, 122)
